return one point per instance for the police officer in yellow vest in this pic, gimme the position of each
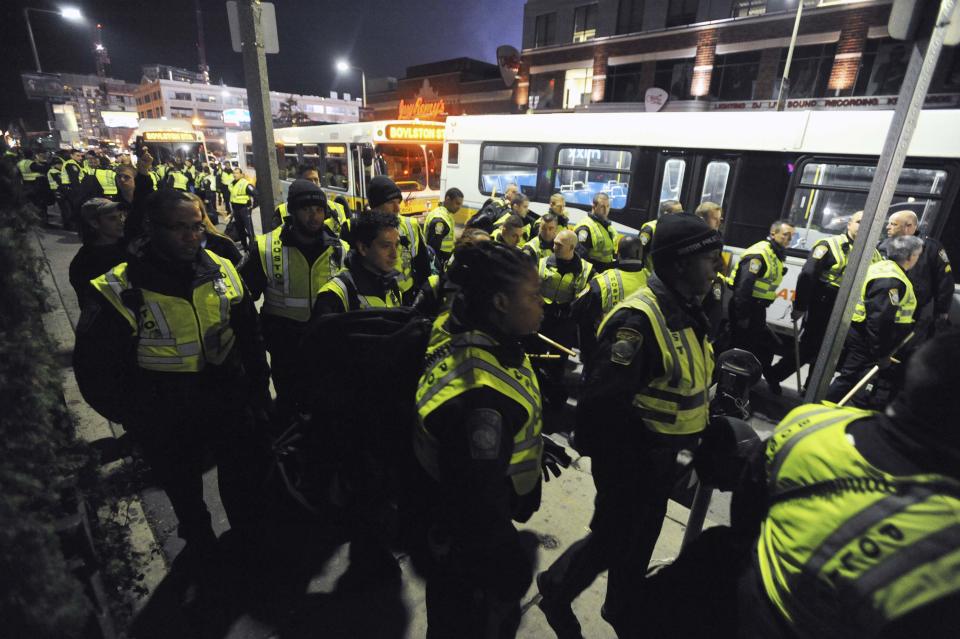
(598, 239)
(293, 263)
(98, 181)
(337, 215)
(541, 245)
(520, 206)
(883, 316)
(644, 398)
(479, 447)
(370, 278)
(243, 199)
(178, 177)
(70, 178)
(172, 350)
(755, 280)
(225, 180)
(649, 229)
(440, 227)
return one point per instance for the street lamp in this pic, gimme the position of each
(785, 80)
(68, 13)
(343, 66)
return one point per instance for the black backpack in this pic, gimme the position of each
(491, 211)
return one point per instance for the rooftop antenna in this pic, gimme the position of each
(100, 54)
(201, 47)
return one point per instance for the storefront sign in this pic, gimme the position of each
(421, 110)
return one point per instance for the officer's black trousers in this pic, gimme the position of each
(855, 361)
(811, 339)
(243, 217)
(210, 201)
(634, 481)
(755, 337)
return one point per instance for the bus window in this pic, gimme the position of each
(715, 182)
(672, 184)
(434, 162)
(248, 155)
(583, 173)
(501, 165)
(311, 155)
(335, 173)
(828, 194)
(406, 165)
(287, 161)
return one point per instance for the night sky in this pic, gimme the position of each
(381, 36)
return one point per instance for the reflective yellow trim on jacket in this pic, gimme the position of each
(562, 288)
(342, 285)
(603, 240)
(292, 284)
(888, 269)
(52, 176)
(846, 547)
(441, 213)
(177, 335)
(463, 362)
(180, 179)
(238, 192)
(616, 285)
(765, 287)
(107, 180)
(411, 230)
(26, 172)
(65, 177)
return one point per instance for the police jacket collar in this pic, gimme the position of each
(677, 312)
(288, 237)
(598, 220)
(573, 265)
(778, 250)
(508, 351)
(149, 270)
(630, 266)
(369, 281)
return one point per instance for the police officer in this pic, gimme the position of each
(178, 177)
(99, 181)
(883, 316)
(479, 447)
(440, 226)
(55, 183)
(649, 229)
(643, 400)
(293, 263)
(597, 238)
(510, 232)
(207, 190)
(337, 215)
(243, 199)
(31, 170)
(102, 248)
(541, 246)
(755, 280)
(225, 179)
(713, 303)
(171, 349)
(370, 278)
(520, 206)
(932, 277)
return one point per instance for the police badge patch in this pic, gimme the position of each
(894, 296)
(486, 427)
(943, 256)
(438, 227)
(644, 238)
(626, 343)
(583, 235)
(755, 265)
(819, 252)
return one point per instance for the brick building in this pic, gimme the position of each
(715, 54)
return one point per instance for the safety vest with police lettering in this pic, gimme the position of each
(765, 286)
(562, 288)
(238, 192)
(345, 288)
(65, 176)
(617, 285)
(603, 240)
(905, 306)
(107, 180)
(536, 249)
(441, 214)
(176, 335)
(409, 250)
(292, 284)
(27, 173)
(179, 178)
(462, 362)
(846, 547)
(677, 402)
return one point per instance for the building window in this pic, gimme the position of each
(745, 8)
(545, 30)
(630, 16)
(585, 22)
(674, 77)
(882, 67)
(544, 92)
(735, 75)
(681, 12)
(809, 70)
(625, 83)
(182, 96)
(501, 165)
(577, 86)
(581, 174)
(176, 112)
(211, 115)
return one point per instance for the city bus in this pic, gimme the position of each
(812, 168)
(349, 155)
(169, 139)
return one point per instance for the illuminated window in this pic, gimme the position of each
(545, 30)
(672, 183)
(577, 86)
(582, 173)
(715, 182)
(502, 165)
(585, 22)
(744, 8)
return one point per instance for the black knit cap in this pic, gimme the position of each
(304, 193)
(680, 235)
(381, 190)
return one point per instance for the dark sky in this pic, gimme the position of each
(381, 36)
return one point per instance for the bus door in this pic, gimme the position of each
(713, 176)
(673, 177)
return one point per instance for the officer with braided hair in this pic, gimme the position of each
(479, 448)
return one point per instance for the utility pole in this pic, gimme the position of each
(261, 117)
(924, 53)
(201, 46)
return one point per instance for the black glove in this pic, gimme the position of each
(554, 457)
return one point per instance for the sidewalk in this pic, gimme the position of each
(316, 609)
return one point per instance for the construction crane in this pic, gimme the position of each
(100, 54)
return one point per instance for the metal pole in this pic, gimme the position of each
(785, 80)
(261, 117)
(909, 103)
(363, 87)
(33, 43)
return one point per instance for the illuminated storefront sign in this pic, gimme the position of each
(414, 133)
(421, 110)
(236, 116)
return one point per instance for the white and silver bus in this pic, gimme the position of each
(348, 155)
(813, 168)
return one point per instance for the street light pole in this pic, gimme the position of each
(785, 80)
(33, 43)
(343, 65)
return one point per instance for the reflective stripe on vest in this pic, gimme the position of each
(463, 362)
(616, 285)
(344, 286)
(28, 174)
(336, 217)
(292, 284)
(176, 335)
(765, 287)
(603, 241)
(676, 403)
(107, 180)
(238, 192)
(888, 269)
(533, 247)
(836, 245)
(180, 180)
(52, 179)
(861, 547)
(283, 212)
(647, 231)
(406, 255)
(562, 288)
(441, 213)
(65, 176)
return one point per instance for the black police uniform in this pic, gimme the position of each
(755, 336)
(363, 282)
(933, 284)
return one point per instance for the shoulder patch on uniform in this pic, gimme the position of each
(485, 426)
(943, 256)
(438, 226)
(583, 235)
(894, 296)
(626, 344)
(819, 251)
(644, 238)
(755, 265)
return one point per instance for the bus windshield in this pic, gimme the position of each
(412, 166)
(168, 151)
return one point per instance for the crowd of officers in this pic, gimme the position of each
(851, 515)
